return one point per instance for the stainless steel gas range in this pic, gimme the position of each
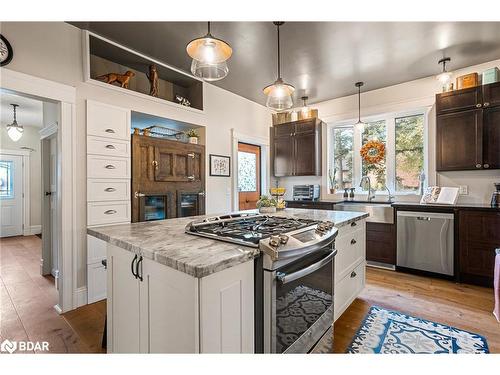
(293, 276)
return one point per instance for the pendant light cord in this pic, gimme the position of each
(359, 104)
(279, 57)
(208, 28)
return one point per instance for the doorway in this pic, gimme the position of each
(11, 195)
(249, 175)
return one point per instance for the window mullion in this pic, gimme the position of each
(391, 153)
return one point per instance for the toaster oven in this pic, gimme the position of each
(305, 192)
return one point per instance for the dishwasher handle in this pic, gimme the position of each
(423, 218)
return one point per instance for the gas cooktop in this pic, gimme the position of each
(246, 229)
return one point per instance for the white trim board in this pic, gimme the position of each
(65, 95)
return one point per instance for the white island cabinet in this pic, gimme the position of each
(169, 311)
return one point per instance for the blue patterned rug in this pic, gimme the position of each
(389, 332)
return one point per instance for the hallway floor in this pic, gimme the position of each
(27, 300)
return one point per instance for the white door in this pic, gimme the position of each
(11, 195)
(53, 204)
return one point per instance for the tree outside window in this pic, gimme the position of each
(377, 172)
(343, 157)
(409, 152)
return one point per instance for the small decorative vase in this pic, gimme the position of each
(193, 140)
(332, 190)
(146, 132)
(267, 210)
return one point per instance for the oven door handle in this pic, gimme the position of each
(285, 278)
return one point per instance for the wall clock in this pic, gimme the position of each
(6, 53)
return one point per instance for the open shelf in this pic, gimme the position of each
(105, 57)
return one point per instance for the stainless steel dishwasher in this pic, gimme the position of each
(425, 241)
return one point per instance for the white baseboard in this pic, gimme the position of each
(32, 230)
(80, 297)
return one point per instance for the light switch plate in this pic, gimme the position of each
(463, 190)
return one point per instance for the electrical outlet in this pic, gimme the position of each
(463, 190)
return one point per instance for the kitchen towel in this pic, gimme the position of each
(496, 284)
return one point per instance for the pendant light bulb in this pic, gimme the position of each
(279, 94)
(14, 130)
(444, 77)
(360, 125)
(209, 56)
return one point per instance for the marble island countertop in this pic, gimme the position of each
(166, 242)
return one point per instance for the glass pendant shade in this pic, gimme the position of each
(14, 130)
(360, 125)
(209, 72)
(444, 77)
(279, 95)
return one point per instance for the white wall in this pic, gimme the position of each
(406, 96)
(31, 139)
(61, 61)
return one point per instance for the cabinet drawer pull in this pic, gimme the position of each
(191, 155)
(486, 104)
(478, 105)
(478, 165)
(111, 147)
(109, 130)
(110, 166)
(110, 212)
(132, 266)
(110, 190)
(353, 241)
(353, 224)
(486, 166)
(353, 274)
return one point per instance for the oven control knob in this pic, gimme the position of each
(329, 224)
(283, 239)
(321, 228)
(274, 241)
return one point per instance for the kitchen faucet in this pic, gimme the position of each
(371, 193)
(390, 197)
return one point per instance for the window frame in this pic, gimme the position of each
(390, 123)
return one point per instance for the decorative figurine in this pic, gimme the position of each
(122, 79)
(153, 81)
(182, 100)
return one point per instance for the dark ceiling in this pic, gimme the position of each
(321, 59)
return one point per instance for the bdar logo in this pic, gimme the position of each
(8, 346)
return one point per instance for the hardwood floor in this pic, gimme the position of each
(463, 306)
(27, 302)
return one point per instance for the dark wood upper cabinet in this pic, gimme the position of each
(458, 100)
(468, 129)
(478, 238)
(296, 148)
(491, 95)
(459, 141)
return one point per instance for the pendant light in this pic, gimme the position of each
(279, 94)
(15, 130)
(360, 125)
(305, 110)
(444, 77)
(209, 56)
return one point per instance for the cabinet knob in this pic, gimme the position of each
(486, 104)
(353, 224)
(353, 274)
(353, 241)
(155, 164)
(478, 165)
(478, 105)
(486, 166)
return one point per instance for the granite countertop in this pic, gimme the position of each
(166, 242)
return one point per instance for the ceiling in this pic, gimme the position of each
(321, 59)
(29, 112)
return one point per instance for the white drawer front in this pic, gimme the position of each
(347, 289)
(102, 213)
(108, 147)
(96, 250)
(349, 228)
(96, 282)
(108, 121)
(350, 252)
(107, 167)
(107, 190)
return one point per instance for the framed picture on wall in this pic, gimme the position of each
(220, 165)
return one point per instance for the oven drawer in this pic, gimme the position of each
(108, 190)
(108, 147)
(101, 213)
(107, 167)
(347, 289)
(351, 251)
(108, 121)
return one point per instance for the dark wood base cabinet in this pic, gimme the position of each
(479, 236)
(381, 243)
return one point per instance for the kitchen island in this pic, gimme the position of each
(170, 292)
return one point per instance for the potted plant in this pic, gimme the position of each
(333, 180)
(193, 136)
(266, 205)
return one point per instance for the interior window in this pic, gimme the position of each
(375, 130)
(409, 152)
(6, 183)
(342, 158)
